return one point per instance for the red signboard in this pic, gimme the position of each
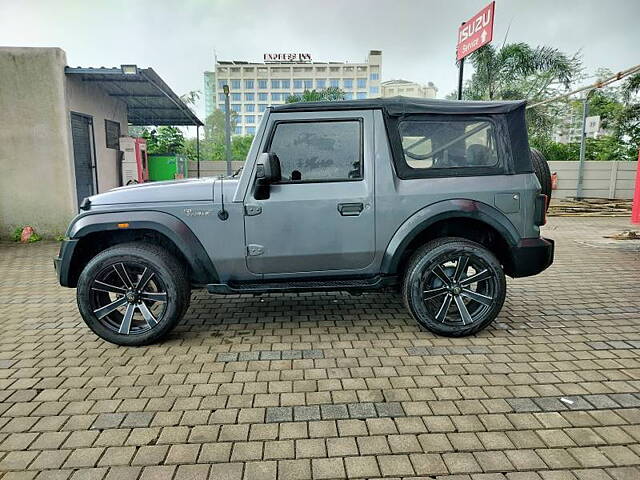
(476, 32)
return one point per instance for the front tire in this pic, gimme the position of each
(133, 294)
(454, 287)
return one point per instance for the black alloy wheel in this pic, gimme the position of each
(128, 298)
(133, 294)
(454, 287)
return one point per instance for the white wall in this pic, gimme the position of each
(614, 180)
(86, 98)
(36, 184)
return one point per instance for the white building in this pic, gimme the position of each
(391, 88)
(254, 86)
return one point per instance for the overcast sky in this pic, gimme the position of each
(417, 37)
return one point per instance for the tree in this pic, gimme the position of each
(190, 98)
(215, 123)
(164, 140)
(518, 71)
(331, 94)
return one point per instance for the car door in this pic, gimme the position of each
(320, 217)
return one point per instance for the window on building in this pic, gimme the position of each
(276, 97)
(222, 107)
(286, 84)
(308, 84)
(235, 69)
(262, 108)
(249, 107)
(236, 97)
(235, 107)
(249, 97)
(348, 96)
(318, 151)
(374, 90)
(249, 119)
(448, 144)
(275, 84)
(237, 130)
(235, 84)
(374, 76)
(334, 82)
(222, 82)
(347, 82)
(221, 97)
(297, 84)
(321, 83)
(248, 84)
(112, 134)
(334, 69)
(361, 95)
(248, 70)
(362, 83)
(251, 130)
(263, 97)
(262, 84)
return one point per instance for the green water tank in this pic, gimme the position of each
(166, 167)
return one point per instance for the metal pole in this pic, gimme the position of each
(460, 73)
(585, 111)
(198, 147)
(227, 128)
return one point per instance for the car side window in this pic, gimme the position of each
(448, 144)
(323, 151)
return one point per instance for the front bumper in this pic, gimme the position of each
(530, 257)
(62, 263)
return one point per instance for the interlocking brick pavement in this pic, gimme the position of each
(329, 386)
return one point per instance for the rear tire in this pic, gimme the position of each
(542, 171)
(454, 287)
(133, 294)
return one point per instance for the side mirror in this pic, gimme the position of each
(268, 168)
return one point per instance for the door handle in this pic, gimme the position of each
(350, 209)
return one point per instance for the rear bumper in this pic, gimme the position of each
(530, 257)
(62, 263)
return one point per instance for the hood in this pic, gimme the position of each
(168, 191)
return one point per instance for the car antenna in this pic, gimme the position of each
(222, 214)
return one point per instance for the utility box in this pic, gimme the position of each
(135, 167)
(167, 167)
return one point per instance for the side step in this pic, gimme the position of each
(313, 285)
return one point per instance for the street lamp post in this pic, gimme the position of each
(227, 128)
(583, 144)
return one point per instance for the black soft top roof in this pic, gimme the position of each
(396, 106)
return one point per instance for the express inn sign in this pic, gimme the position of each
(287, 57)
(477, 32)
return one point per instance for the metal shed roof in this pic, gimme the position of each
(149, 100)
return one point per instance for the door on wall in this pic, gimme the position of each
(82, 137)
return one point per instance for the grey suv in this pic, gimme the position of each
(436, 198)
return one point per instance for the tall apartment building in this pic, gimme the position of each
(391, 88)
(255, 86)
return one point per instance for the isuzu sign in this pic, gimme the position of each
(476, 32)
(287, 57)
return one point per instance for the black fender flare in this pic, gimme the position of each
(171, 227)
(446, 209)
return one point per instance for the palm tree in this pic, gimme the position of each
(330, 94)
(519, 71)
